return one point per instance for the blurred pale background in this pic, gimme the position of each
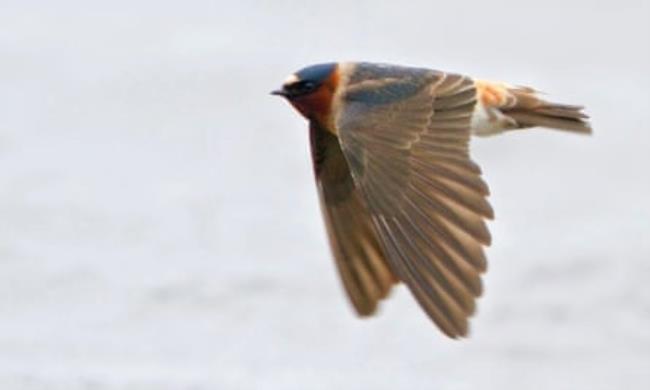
(159, 225)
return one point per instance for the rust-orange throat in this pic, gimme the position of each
(311, 91)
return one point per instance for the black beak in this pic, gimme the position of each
(279, 92)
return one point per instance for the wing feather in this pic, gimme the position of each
(359, 256)
(408, 155)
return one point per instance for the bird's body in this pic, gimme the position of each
(401, 198)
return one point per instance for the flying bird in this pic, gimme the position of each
(401, 198)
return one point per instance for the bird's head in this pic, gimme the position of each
(311, 90)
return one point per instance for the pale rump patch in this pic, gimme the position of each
(491, 94)
(488, 118)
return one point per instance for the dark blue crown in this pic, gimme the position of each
(316, 73)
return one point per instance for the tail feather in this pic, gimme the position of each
(529, 111)
(532, 119)
(506, 107)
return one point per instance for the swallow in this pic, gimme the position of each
(401, 198)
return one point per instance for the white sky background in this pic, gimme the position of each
(159, 225)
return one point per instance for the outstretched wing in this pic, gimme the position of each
(352, 235)
(406, 142)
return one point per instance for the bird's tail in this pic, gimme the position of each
(530, 111)
(522, 107)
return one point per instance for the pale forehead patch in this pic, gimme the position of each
(291, 79)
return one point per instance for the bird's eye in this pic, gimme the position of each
(307, 86)
(301, 88)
